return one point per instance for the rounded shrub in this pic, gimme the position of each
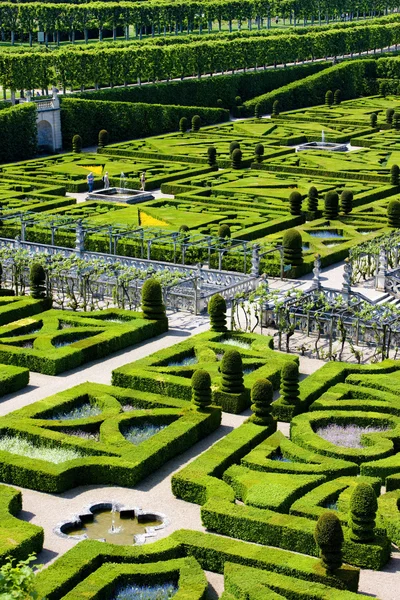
(312, 204)
(383, 88)
(262, 395)
(238, 101)
(373, 119)
(220, 104)
(396, 120)
(224, 231)
(331, 209)
(389, 115)
(201, 388)
(328, 535)
(395, 175)
(183, 228)
(363, 507)
(259, 152)
(212, 156)
(275, 108)
(37, 280)
(257, 110)
(232, 373)
(77, 144)
(329, 98)
(183, 125)
(196, 123)
(236, 158)
(295, 200)
(393, 213)
(103, 138)
(290, 384)
(217, 312)
(152, 303)
(232, 147)
(292, 247)
(346, 201)
(337, 97)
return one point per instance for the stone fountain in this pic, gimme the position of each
(323, 145)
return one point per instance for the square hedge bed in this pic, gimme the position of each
(97, 434)
(169, 371)
(55, 341)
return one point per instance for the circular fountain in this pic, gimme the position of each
(113, 523)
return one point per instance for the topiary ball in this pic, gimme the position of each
(183, 125)
(103, 138)
(196, 123)
(328, 535)
(290, 383)
(236, 158)
(394, 175)
(201, 388)
(363, 507)
(292, 247)
(295, 200)
(331, 210)
(233, 146)
(77, 144)
(232, 373)
(224, 231)
(212, 155)
(231, 362)
(262, 395)
(346, 201)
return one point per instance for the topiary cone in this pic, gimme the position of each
(201, 388)
(328, 535)
(290, 383)
(292, 247)
(393, 213)
(363, 507)
(217, 312)
(152, 304)
(262, 395)
(232, 373)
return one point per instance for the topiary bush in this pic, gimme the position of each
(238, 101)
(183, 125)
(201, 389)
(212, 156)
(104, 138)
(217, 312)
(196, 123)
(295, 200)
(328, 536)
(262, 395)
(395, 175)
(346, 201)
(389, 115)
(337, 97)
(396, 120)
(393, 213)
(292, 247)
(331, 209)
(373, 119)
(152, 303)
(77, 144)
(257, 111)
(382, 88)
(275, 108)
(232, 373)
(329, 98)
(236, 159)
(259, 152)
(363, 507)
(220, 103)
(312, 204)
(224, 231)
(290, 384)
(232, 147)
(37, 279)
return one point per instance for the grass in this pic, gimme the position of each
(22, 447)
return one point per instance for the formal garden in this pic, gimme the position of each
(199, 300)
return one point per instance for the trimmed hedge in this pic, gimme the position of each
(12, 379)
(212, 552)
(89, 336)
(18, 538)
(18, 132)
(388, 511)
(112, 459)
(14, 308)
(126, 121)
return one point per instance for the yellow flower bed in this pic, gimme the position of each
(96, 169)
(148, 221)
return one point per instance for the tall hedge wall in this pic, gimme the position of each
(206, 92)
(18, 133)
(126, 121)
(353, 78)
